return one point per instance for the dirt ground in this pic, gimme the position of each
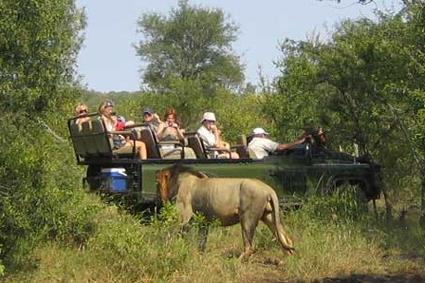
(367, 278)
(407, 277)
(362, 278)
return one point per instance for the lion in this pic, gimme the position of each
(229, 200)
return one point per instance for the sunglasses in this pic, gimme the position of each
(82, 111)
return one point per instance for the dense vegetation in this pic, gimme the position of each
(365, 85)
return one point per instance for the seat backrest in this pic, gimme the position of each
(154, 148)
(249, 139)
(196, 144)
(241, 146)
(86, 130)
(90, 138)
(77, 139)
(101, 143)
(148, 137)
(242, 140)
(242, 151)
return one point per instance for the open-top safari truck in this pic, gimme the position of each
(305, 169)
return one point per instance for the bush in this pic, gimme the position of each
(344, 204)
(41, 199)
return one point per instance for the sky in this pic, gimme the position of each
(108, 61)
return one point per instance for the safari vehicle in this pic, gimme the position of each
(302, 170)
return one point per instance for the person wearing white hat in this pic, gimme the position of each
(261, 146)
(210, 135)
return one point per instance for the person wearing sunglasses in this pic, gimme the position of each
(107, 114)
(81, 111)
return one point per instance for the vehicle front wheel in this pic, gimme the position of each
(351, 192)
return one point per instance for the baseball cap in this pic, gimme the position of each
(148, 110)
(109, 103)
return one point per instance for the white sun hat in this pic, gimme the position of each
(209, 116)
(259, 131)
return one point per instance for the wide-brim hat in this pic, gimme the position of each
(259, 131)
(209, 116)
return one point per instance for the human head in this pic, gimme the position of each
(208, 119)
(81, 109)
(148, 114)
(322, 136)
(170, 115)
(259, 132)
(106, 108)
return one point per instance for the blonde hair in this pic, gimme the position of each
(81, 107)
(103, 105)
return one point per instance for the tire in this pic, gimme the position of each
(93, 177)
(348, 188)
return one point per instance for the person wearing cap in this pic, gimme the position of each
(261, 146)
(151, 119)
(106, 112)
(210, 135)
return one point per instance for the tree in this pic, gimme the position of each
(366, 85)
(39, 42)
(192, 43)
(364, 2)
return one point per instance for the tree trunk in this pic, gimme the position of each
(388, 205)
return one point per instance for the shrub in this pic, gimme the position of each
(41, 199)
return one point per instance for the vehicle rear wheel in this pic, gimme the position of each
(93, 177)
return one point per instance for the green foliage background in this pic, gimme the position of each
(191, 43)
(365, 85)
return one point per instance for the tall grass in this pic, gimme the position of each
(332, 238)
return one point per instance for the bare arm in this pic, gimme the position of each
(160, 130)
(156, 118)
(180, 133)
(283, 146)
(216, 133)
(163, 126)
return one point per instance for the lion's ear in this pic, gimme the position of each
(202, 175)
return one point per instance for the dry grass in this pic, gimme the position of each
(122, 250)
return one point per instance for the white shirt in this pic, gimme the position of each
(207, 137)
(261, 147)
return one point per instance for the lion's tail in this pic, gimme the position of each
(285, 242)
